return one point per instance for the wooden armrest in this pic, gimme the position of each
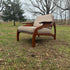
(44, 26)
(28, 23)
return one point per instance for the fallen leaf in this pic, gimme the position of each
(1, 49)
(24, 65)
(47, 54)
(1, 60)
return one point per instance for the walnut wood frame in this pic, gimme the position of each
(45, 24)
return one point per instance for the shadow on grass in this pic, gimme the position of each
(43, 41)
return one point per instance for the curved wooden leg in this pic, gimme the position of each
(55, 37)
(38, 35)
(17, 35)
(33, 40)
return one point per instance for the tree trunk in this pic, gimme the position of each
(47, 11)
(14, 22)
(65, 18)
(69, 18)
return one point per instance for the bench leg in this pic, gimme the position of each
(55, 37)
(33, 40)
(38, 35)
(17, 35)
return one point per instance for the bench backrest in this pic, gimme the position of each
(41, 18)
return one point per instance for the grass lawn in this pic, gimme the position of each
(49, 54)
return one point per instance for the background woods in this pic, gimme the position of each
(12, 11)
(59, 8)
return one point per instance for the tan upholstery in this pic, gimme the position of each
(38, 29)
(30, 29)
(48, 18)
(26, 29)
(41, 18)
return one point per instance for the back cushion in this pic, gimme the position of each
(41, 18)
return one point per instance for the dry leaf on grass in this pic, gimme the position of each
(1, 60)
(1, 49)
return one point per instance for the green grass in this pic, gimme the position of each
(49, 54)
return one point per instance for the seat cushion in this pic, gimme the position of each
(26, 29)
(42, 18)
(30, 29)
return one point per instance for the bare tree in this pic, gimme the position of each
(1, 5)
(65, 3)
(68, 5)
(67, 8)
(41, 6)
